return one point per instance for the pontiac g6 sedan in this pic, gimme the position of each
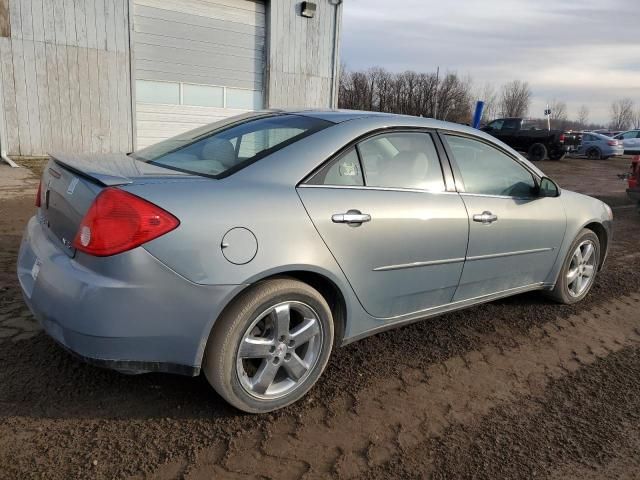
(249, 248)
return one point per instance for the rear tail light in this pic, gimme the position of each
(562, 138)
(118, 221)
(613, 143)
(39, 195)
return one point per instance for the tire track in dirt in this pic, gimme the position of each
(585, 425)
(352, 435)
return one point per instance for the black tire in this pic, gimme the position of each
(537, 152)
(560, 292)
(557, 155)
(220, 363)
(594, 154)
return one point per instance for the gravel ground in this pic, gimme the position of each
(518, 388)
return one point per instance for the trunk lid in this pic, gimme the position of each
(71, 182)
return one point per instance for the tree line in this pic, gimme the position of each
(451, 97)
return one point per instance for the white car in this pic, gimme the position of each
(630, 141)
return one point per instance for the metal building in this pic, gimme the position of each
(113, 75)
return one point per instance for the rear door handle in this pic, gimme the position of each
(485, 217)
(352, 217)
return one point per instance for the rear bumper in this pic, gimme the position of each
(615, 152)
(128, 312)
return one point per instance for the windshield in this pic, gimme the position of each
(218, 152)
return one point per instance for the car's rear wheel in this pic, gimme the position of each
(594, 154)
(270, 346)
(537, 152)
(579, 269)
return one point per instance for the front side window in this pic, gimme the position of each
(214, 152)
(401, 160)
(510, 124)
(496, 124)
(628, 135)
(488, 171)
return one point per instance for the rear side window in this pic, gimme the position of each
(392, 160)
(344, 171)
(218, 152)
(402, 160)
(486, 170)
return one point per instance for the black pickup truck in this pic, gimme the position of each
(527, 136)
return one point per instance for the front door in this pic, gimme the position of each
(398, 235)
(514, 235)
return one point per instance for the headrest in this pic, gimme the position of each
(219, 149)
(407, 168)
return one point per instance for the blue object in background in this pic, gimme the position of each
(477, 116)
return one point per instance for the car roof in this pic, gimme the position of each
(383, 118)
(599, 134)
(335, 115)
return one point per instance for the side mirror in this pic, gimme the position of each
(548, 188)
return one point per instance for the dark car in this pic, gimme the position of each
(526, 136)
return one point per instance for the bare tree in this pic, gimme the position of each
(636, 119)
(408, 92)
(515, 99)
(558, 113)
(489, 96)
(621, 114)
(583, 116)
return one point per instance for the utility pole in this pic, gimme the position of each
(435, 102)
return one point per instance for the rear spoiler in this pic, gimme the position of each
(94, 170)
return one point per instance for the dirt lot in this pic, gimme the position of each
(518, 388)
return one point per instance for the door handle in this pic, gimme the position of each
(485, 217)
(352, 217)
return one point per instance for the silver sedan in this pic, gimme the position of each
(250, 248)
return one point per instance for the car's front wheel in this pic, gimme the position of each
(270, 345)
(579, 269)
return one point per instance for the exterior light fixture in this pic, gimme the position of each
(308, 9)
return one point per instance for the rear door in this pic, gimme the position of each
(587, 142)
(384, 211)
(514, 235)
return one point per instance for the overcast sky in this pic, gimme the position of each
(579, 51)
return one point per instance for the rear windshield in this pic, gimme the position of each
(217, 152)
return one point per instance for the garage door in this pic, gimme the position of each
(196, 62)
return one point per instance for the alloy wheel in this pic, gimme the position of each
(279, 350)
(582, 268)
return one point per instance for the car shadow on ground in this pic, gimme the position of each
(40, 379)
